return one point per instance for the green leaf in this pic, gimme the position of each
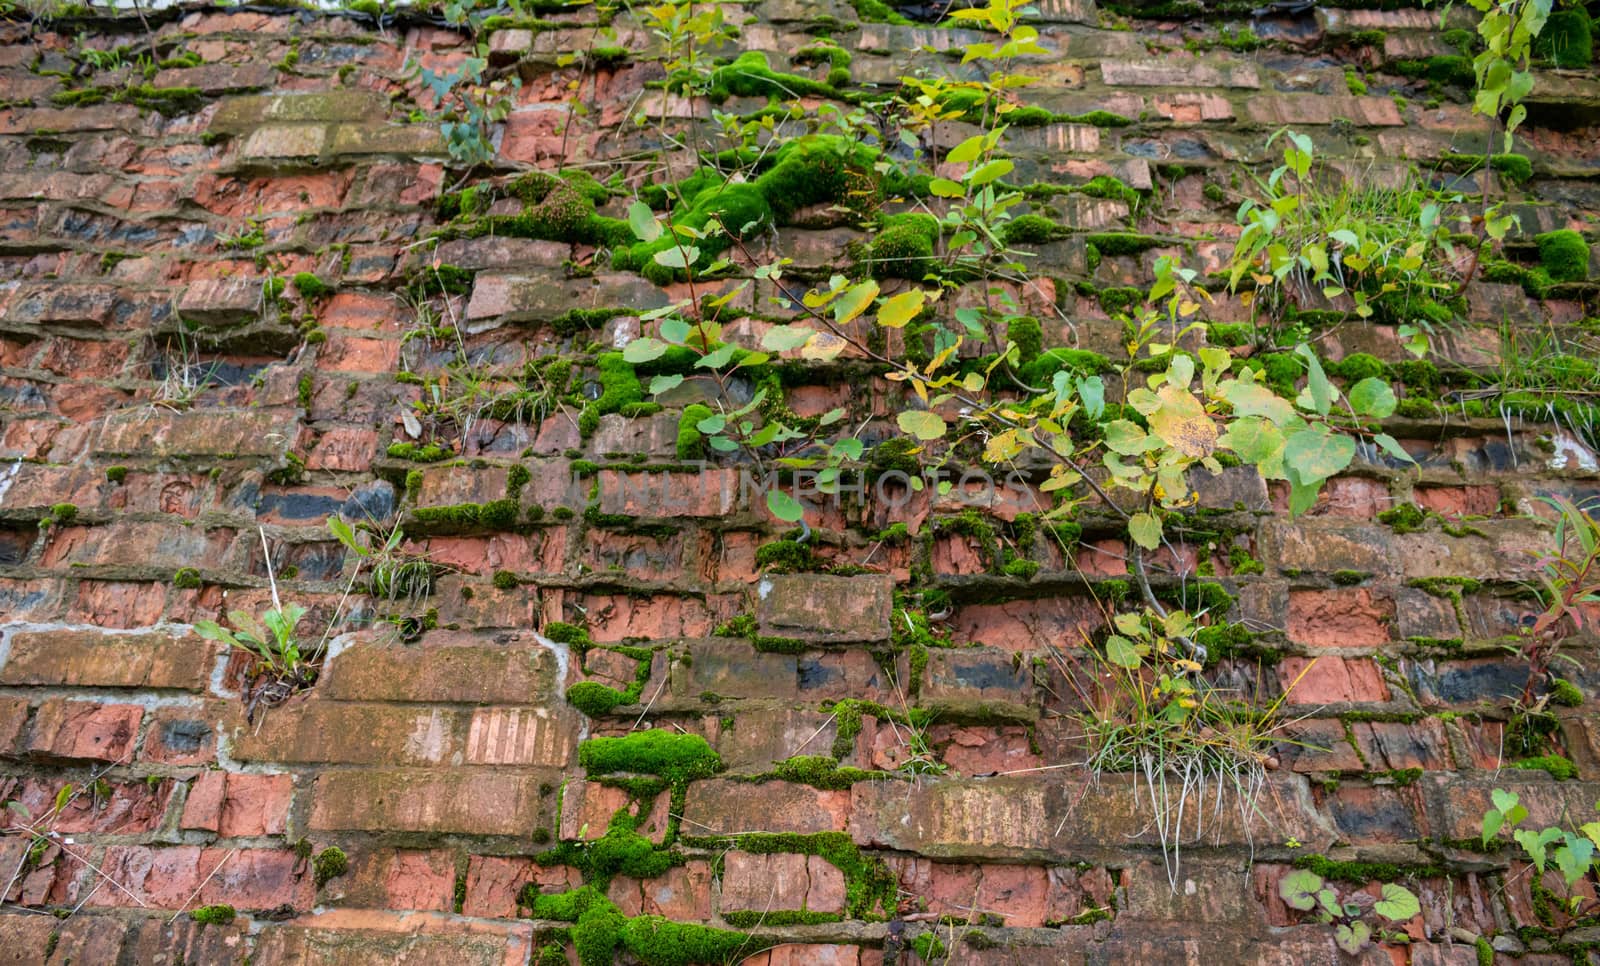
(1313, 454)
(782, 338)
(784, 507)
(675, 331)
(712, 424)
(1254, 399)
(1398, 903)
(945, 188)
(1373, 397)
(855, 301)
(1253, 440)
(717, 359)
(643, 222)
(1318, 387)
(1121, 652)
(1092, 392)
(1392, 446)
(895, 312)
(1352, 937)
(661, 384)
(967, 150)
(922, 424)
(996, 169)
(644, 350)
(1299, 889)
(1145, 529)
(677, 257)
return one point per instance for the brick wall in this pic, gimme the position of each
(442, 757)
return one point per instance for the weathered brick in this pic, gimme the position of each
(719, 807)
(186, 876)
(447, 667)
(781, 881)
(351, 936)
(84, 729)
(467, 802)
(825, 610)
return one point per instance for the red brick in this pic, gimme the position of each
(85, 730)
(782, 881)
(469, 802)
(717, 807)
(810, 954)
(182, 877)
(1459, 501)
(13, 719)
(91, 659)
(823, 609)
(176, 735)
(445, 667)
(396, 879)
(344, 448)
(119, 807)
(587, 808)
(118, 603)
(1339, 618)
(358, 936)
(682, 894)
(495, 882)
(1331, 680)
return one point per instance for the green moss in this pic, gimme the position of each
(494, 515)
(1559, 768)
(786, 556)
(670, 755)
(1564, 255)
(516, 478)
(619, 385)
(595, 699)
(571, 635)
(1354, 83)
(63, 513)
(1242, 563)
(929, 947)
(330, 863)
(691, 442)
(1197, 596)
(419, 452)
(187, 578)
(1123, 243)
(1357, 366)
(751, 76)
(116, 474)
(1448, 69)
(505, 580)
(215, 915)
(820, 771)
(1118, 300)
(310, 286)
(1024, 569)
(1349, 578)
(1404, 518)
(1567, 39)
(1031, 230)
(1485, 951)
(1025, 332)
(1361, 873)
(584, 468)
(904, 246)
(1565, 693)
(743, 625)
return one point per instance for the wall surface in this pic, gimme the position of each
(168, 406)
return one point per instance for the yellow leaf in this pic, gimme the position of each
(1182, 423)
(822, 347)
(897, 311)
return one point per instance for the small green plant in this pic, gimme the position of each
(329, 864)
(1306, 891)
(217, 915)
(1568, 577)
(283, 667)
(470, 108)
(1574, 854)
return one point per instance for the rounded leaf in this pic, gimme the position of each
(1312, 455)
(922, 424)
(1183, 423)
(1299, 889)
(1398, 903)
(784, 507)
(1373, 397)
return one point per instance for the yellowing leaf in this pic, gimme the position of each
(1183, 424)
(922, 424)
(823, 347)
(895, 312)
(855, 301)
